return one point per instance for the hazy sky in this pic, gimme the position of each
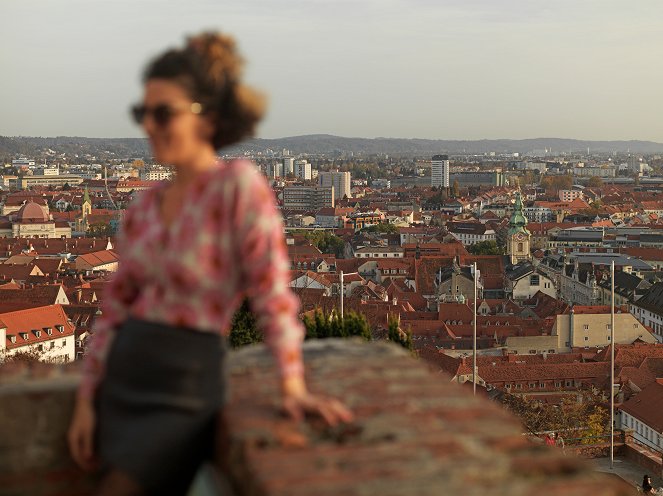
(457, 69)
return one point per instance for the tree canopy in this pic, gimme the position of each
(488, 247)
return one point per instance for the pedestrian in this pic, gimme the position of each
(550, 439)
(647, 487)
(191, 250)
(559, 440)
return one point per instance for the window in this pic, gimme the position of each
(52, 345)
(608, 337)
(607, 326)
(568, 383)
(532, 352)
(542, 385)
(520, 247)
(558, 384)
(532, 385)
(534, 280)
(64, 342)
(635, 326)
(586, 338)
(585, 327)
(519, 386)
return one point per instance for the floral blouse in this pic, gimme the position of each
(226, 243)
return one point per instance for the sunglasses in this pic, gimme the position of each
(163, 112)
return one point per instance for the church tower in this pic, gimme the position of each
(518, 237)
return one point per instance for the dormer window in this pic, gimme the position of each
(49, 330)
(24, 335)
(60, 328)
(12, 339)
(37, 333)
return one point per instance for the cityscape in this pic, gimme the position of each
(407, 244)
(423, 242)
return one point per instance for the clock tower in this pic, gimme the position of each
(518, 237)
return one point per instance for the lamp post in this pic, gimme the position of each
(474, 335)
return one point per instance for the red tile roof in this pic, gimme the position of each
(29, 320)
(647, 406)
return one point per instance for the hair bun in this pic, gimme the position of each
(218, 53)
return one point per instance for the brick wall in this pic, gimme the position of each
(416, 433)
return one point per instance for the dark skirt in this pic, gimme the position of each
(158, 402)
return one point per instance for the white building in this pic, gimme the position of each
(568, 195)
(156, 174)
(648, 309)
(46, 330)
(440, 171)
(642, 414)
(303, 170)
(339, 180)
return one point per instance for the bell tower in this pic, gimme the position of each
(518, 237)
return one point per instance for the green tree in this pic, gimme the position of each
(326, 242)
(243, 330)
(383, 228)
(398, 336)
(330, 325)
(488, 247)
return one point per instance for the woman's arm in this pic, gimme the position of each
(260, 246)
(261, 250)
(118, 294)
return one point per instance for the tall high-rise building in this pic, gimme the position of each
(440, 171)
(288, 165)
(303, 170)
(341, 181)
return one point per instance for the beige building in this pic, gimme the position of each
(33, 221)
(583, 327)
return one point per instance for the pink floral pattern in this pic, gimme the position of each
(226, 243)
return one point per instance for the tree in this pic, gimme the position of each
(384, 228)
(596, 426)
(243, 330)
(326, 242)
(455, 190)
(555, 183)
(595, 182)
(488, 247)
(581, 419)
(101, 230)
(398, 336)
(330, 325)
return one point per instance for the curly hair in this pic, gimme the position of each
(209, 69)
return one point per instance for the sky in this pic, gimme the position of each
(438, 69)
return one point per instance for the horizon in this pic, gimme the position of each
(634, 140)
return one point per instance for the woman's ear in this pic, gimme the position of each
(207, 127)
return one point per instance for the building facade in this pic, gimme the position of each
(440, 171)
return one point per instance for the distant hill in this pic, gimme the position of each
(322, 144)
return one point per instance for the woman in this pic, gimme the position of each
(647, 487)
(191, 250)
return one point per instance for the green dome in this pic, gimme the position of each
(518, 221)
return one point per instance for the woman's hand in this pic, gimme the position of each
(81, 435)
(298, 402)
